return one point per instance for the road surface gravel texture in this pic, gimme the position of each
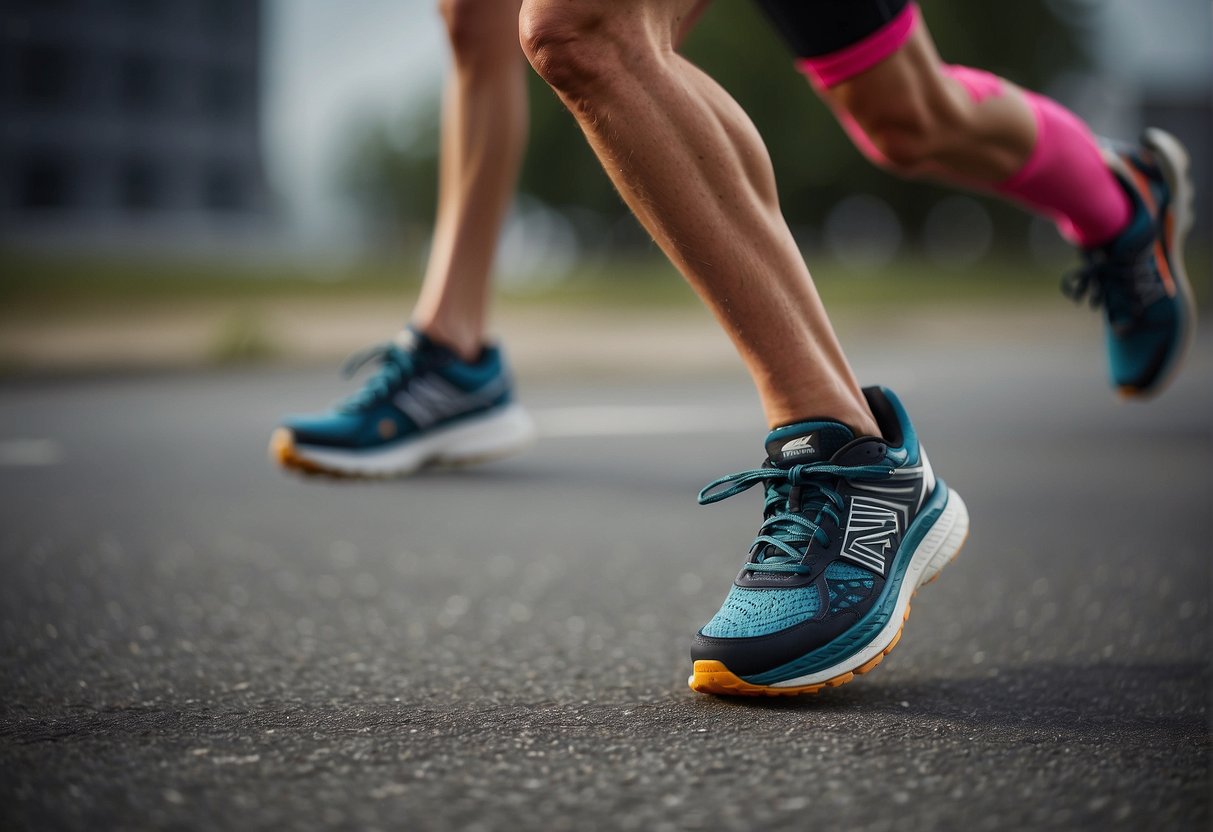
(192, 640)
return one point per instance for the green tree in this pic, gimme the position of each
(394, 170)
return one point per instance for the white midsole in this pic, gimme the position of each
(498, 433)
(934, 552)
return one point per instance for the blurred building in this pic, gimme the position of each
(130, 123)
(1152, 64)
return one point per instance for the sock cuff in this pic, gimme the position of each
(826, 71)
(1066, 178)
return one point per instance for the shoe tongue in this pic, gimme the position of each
(410, 340)
(806, 442)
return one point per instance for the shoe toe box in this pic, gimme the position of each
(749, 612)
(758, 630)
(344, 430)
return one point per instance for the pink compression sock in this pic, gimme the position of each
(1065, 178)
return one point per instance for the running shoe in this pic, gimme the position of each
(1139, 277)
(851, 527)
(423, 406)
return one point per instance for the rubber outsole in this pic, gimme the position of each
(713, 677)
(286, 452)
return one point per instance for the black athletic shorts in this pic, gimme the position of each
(819, 27)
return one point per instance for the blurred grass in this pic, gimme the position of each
(75, 288)
(70, 280)
(67, 285)
(68, 314)
(242, 338)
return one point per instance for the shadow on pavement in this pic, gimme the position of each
(1162, 697)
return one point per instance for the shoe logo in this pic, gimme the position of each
(429, 399)
(873, 529)
(802, 445)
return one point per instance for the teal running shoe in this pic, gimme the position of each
(423, 406)
(852, 526)
(1139, 277)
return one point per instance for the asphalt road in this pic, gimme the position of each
(190, 639)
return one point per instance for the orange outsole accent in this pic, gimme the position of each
(282, 451)
(1127, 393)
(1143, 188)
(1164, 268)
(711, 676)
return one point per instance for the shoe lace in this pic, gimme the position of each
(1125, 287)
(395, 366)
(798, 500)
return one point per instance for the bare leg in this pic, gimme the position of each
(923, 122)
(690, 164)
(484, 126)
(917, 116)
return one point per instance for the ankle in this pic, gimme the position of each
(465, 342)
(856, 416)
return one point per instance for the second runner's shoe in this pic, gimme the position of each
(1139, 277)
(852, 526)
(423, 406)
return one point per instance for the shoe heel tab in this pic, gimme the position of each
(490, 351)
(893, 421)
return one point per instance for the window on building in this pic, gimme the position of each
(223, 16)
(222, 92)
(44, 183)
(140, 83)
(139, 185)
(45, 75)
(143, 8)
(56, 5)
(223, 188)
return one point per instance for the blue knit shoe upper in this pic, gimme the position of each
(423, 406)
(1138, 277)
(418, 386)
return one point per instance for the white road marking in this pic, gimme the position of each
(27, 453)
(645, 420)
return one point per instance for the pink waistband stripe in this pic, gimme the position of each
(830, 70)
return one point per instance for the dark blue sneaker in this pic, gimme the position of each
(851, 528)
(1139, 277)
(423, 406)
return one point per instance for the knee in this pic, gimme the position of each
(905, 134)
(902, 137)
(474, 31)
(571, 48)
